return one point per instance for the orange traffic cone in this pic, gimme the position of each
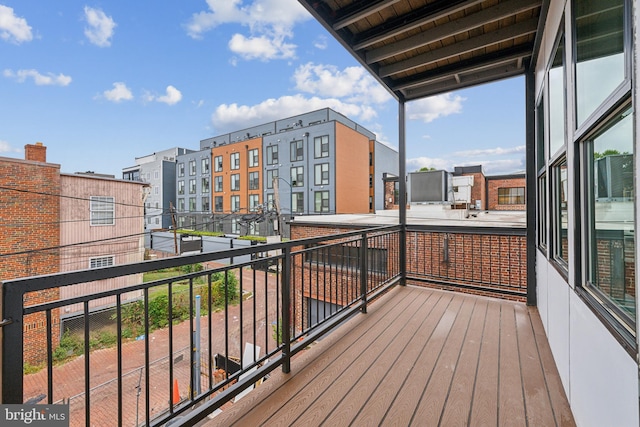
(176, 392)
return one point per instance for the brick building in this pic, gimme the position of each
(478, 192)
(30, 228)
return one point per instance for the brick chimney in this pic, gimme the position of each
(36, 153)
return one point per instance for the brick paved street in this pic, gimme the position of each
(69, 378)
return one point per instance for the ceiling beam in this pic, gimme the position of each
(465, 81)
(479, 63)
(431, 13)
(465, 46)
(491, 14)
(371, 8)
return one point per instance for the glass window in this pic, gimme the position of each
(297, 202)
(297, 176)
(235, 182)
(254, 158)
(321, 146)
(600, 59)
(156, 174)
(180, 169)
(205, 204)
(205, 165)
(205, 184)
(271, 205)
(192, 167)
(102, 210)
(181, 205)
(180, 187)
(192, 204)
(254, 180)
(235, 203)
(103, 261)
(235, 226)
(272, 154)
(542, 211)
(557, 125)
(511, 196)
(322, 201)
(560, 213)
(218, 203)
(610, 228)
(271, 176)
(254, 201)
(322, 174)
(235, 161)
(297, 151)
(541, 149)
(217, 184)
(192, 186)
(217, 163)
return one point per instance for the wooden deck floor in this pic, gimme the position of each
(419, 357)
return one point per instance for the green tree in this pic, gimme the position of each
(426, 169)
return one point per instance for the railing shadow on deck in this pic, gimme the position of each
(298, 291)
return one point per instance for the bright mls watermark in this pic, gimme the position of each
(34, 415)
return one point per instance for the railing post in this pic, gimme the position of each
(12, 387)
(286, 310)
(363, 271)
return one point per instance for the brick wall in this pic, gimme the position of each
(482, 264)
(30, 223)
(492, 193)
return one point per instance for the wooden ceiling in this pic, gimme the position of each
(419, 48)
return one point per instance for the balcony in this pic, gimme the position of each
(316, 329)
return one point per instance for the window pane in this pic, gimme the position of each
(600, 63)
(542, 211)
(556, 100)
(560, 213)
(610, 205)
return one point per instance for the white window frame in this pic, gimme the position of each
(102, 210)
(102, 261)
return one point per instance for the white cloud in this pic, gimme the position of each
(262, 47)
(233, 116)
(5, 147)
(173, 96)
(49, 79)
(120, 92)
(498, 151)
(353, 83)
(270, 23)
(434, 107)
(12, 28)
(499, 167)
(321, 42)
(100, 27)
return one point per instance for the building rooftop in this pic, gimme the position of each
(426, 214)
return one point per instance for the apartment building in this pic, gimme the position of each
(261, 177)
(159, 171)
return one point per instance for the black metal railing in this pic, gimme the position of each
(239, 321)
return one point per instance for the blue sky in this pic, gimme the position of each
(101, 83)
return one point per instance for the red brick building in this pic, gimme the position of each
(31, 207)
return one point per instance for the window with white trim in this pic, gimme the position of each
(102, 209)
(102, 261)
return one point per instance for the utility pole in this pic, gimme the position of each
(173, 223)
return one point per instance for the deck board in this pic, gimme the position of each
(418, 357)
